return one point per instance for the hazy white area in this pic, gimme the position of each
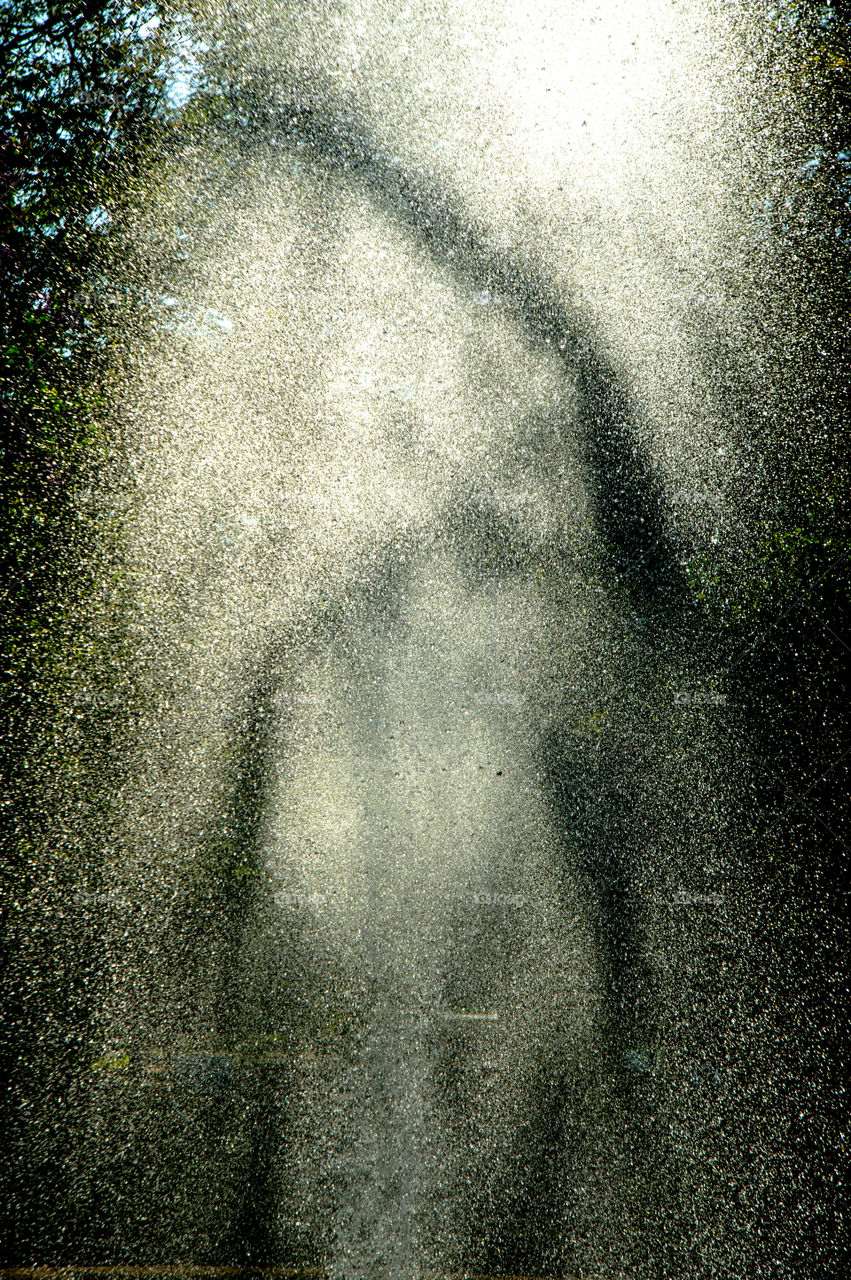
(319, 398)
(611, 145)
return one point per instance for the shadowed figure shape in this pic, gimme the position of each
(516, 1226)
(641, 557)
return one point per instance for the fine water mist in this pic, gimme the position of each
(427, 908)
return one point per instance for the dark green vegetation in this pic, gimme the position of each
(82, 95)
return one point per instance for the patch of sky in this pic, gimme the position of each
(221, 322)
(793, 15)
(208, 323)
(810, 165)
(98, 219)
(150, 23)
(844, 182)
(183, 70)
(788, 15)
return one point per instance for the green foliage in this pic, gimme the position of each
(81, 88)
(790, 567)
(83, 94)
(799, 548)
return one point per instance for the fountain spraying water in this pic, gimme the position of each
(430, 824)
